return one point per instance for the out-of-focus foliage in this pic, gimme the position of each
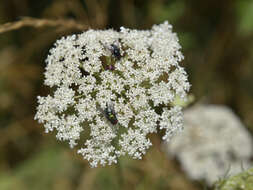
(51, 168)
(217, 41)
(245, 15)
(243, 181)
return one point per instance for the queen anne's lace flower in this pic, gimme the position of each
(214, 143)
(115, 88)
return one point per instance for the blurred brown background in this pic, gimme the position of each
(217, 41)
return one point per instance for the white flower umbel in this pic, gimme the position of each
(214, 143)
(111, 89)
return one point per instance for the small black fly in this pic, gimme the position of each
(115, 51)
(109, 62)
(109, 113)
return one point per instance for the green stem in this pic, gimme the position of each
(119, 167)
(120, 174)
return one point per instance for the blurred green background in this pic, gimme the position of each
(217, 41)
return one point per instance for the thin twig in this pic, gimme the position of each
(38, 23)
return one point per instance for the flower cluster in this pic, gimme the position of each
(213, 143)
(111, 89)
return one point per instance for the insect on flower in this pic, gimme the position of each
(115, 51)
(109, 62)
(109, 113)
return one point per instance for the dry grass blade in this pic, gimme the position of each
(38, 23)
